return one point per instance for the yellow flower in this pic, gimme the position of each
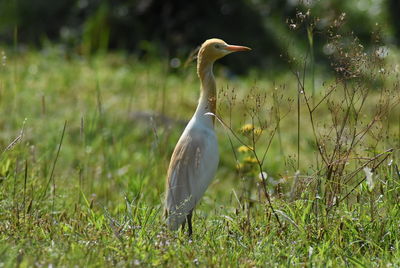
(244, 149)
(250, 159)
(247, 128)
(257, 131)
(239, 166)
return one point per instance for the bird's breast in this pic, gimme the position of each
(207, 156)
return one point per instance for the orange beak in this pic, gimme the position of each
(237, 48)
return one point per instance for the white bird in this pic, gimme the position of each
(195, 157)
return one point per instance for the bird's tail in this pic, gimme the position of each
(176, 215)
(175, 219)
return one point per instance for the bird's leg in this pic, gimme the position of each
(189, 220)
(183, 226)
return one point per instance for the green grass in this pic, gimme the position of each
(103, 204)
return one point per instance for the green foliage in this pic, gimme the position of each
(96, 31)
(103, 206)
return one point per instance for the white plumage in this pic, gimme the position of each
(195, 157)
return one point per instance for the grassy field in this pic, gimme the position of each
(85, 145)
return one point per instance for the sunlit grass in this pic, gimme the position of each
(103, 206)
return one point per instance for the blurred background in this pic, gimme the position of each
(174, 28)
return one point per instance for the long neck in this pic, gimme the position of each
(208, 96)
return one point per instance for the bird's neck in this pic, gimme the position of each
(208, 95)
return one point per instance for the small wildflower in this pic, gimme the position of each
(239, 166)
(369, 179)
(250, 159)
(257, 131)
(263, 176)
(310, 252)
(247, 128)
(244, 149)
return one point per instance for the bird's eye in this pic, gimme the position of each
(217, 46)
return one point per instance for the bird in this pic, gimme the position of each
(195, 158)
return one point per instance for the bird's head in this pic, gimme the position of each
(214, 49)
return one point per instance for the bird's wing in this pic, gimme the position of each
(193, 165)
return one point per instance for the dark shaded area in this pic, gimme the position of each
(181, 25)
(394, 11)
(173, 28)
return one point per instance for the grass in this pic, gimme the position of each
(91, 194)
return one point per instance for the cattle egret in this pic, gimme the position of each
(195, 157)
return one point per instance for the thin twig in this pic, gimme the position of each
(258, 161)
(51, 178)
(387, 152)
